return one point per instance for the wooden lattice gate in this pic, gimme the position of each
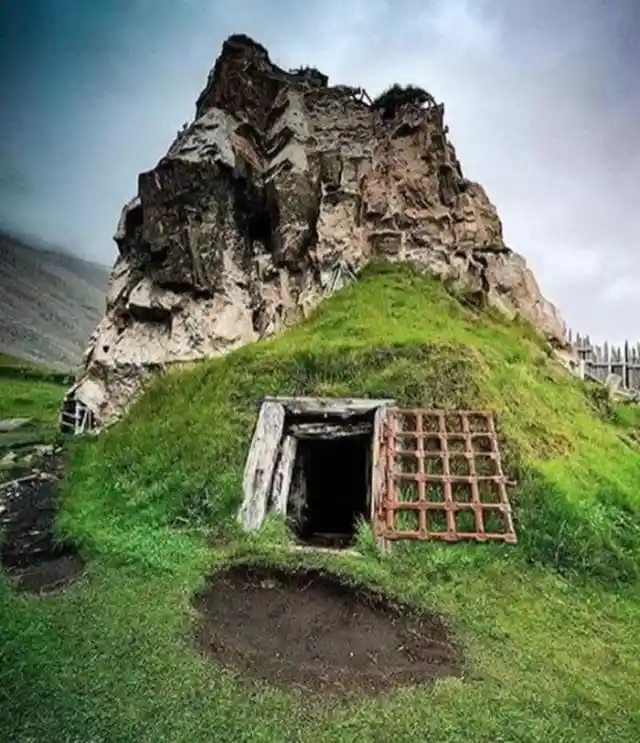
(441, 478)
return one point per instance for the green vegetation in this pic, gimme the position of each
(29, 391)
(551, 625)
(397, 95)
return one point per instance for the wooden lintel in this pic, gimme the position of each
(338, 406)
(329, 430)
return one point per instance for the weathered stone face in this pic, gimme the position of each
(281, 190)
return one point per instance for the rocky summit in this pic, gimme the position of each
(281, 190)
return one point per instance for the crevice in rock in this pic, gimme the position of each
(275, 114)
(405, 129)
(153, 257)
(496, 249)
(255, 206)
(248, 131)
(279, 169)
(122, 320)
(278, 141)
(133, 220)
(152, 315)
(184, 287)
(447, 185)
(480, 263)
(310, 236)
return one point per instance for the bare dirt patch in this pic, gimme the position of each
(33, 558)
(310, 630)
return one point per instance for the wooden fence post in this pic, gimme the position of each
(599, 362)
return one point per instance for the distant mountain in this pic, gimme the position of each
(50, 302)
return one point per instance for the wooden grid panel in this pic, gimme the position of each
(444, 477)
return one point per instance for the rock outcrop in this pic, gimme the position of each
(278, 193)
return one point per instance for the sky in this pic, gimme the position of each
(542, 101)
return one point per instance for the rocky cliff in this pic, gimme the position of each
(278, 193)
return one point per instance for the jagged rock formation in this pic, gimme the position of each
(279, 192)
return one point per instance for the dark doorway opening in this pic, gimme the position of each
(330, 488)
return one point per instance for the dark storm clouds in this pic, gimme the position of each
(542, 101)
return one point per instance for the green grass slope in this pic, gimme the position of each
(550, 625)
(32, 391)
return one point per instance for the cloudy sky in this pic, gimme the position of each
(542, 100)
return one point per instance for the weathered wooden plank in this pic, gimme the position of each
(283, 475)
(13, 424)
(27, 478)
(261, 462)
(329, 405)
(377, 463)
(329, 430)
(297, 500)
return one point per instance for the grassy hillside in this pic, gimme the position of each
(50, 302)
(32, 391)
(551, 625)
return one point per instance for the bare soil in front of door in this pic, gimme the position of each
(309, 630)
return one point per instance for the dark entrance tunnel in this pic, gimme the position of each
(334, 482)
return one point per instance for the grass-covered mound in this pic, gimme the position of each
(550, 626)
(178, 457)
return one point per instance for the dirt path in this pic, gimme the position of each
(28, 550)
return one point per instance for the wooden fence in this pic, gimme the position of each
(600, 362)
(75, 417)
